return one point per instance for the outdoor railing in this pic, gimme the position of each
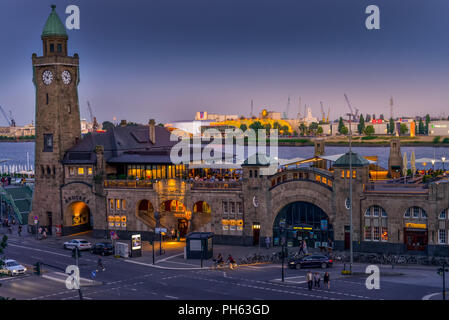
(220, 185)
(322, 177)
(420, 188)
(133, 184)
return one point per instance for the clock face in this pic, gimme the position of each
(47, 77)
(66, 77)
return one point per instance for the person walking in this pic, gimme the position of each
(267, 242)
(300, 247)
(326, 280)
(44, 233)
(304, 247)
(317, 279)
(309, 278)
(19, 230)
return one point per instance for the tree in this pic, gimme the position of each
(391, 126)
(361, 125)
(381, 117)
(319, 130)
(107, 125)
(3, 245)
(340, 124)
(427, 123)
(403, 129)
(421, 126)
(369, 130)
(344, 130)
(295, 133)
(267, 127)
(303, 129)
(243, 127)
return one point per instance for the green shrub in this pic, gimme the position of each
(445, 140)
(369, 138)
(436, 139)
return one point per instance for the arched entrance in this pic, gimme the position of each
(201, 218)
(302, 221)
(176, 217)
(79, 214)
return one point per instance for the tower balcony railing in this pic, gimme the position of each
(217, 185)
(128, 184)
(376, 187)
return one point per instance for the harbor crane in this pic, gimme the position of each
(322, 112)
(93, 120)
(9, 119)
(355, 116)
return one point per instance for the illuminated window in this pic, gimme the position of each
(81, 171)
(89, 171)
(117, 204)
(318, 178)
(354, 175)
(343, 173)
(376, 224)
(347, 174)
(376, 234)
(111, 204)
(72, 171)
(324, 180)
(123, 204)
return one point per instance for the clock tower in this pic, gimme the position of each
(58, 127)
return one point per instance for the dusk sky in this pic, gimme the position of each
(167, 59)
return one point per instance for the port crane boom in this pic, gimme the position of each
(9, 119)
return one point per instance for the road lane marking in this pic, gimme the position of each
(427, 297)
(162, 267)
(35, 249)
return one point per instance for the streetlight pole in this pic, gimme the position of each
(443, 159)
(283, 251)
(350, 196)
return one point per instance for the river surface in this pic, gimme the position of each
(17, 153)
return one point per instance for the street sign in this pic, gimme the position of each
(160, 230)
(348, 203)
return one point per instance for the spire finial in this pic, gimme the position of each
(53, 7)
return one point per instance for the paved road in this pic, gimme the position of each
(136, 279)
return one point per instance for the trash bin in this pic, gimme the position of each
(199, 245)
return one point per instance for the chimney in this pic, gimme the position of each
(152, 131)
(123, 123)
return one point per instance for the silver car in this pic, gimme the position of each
(13, 268)
(81, 244)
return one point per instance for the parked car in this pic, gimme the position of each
(13, 268)
(80, 243)
(310, 261)
(103, 248)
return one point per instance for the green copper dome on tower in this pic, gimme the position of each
(54, 25)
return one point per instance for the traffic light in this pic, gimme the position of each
(37, 268)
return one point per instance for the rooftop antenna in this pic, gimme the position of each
(391, 107)
(252, 108)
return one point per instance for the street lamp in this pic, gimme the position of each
(443, 159)
(433, 164)
(157, 216)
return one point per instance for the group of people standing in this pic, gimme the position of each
(6, 223)
(315, 280)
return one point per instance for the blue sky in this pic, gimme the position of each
(167, 59)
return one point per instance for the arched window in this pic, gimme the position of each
(444, 214)
(376, 224)
(415, 213)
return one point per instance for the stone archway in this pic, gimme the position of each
(302, 220)
(201, 217)
(145, 211)
(175, 217)
(78, 217)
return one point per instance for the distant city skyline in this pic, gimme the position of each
(169, 59)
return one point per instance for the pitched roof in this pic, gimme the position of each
(54, 25)
(356, 160)
(130, 144)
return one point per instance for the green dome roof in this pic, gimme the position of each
(356, 161)
(54, 25)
